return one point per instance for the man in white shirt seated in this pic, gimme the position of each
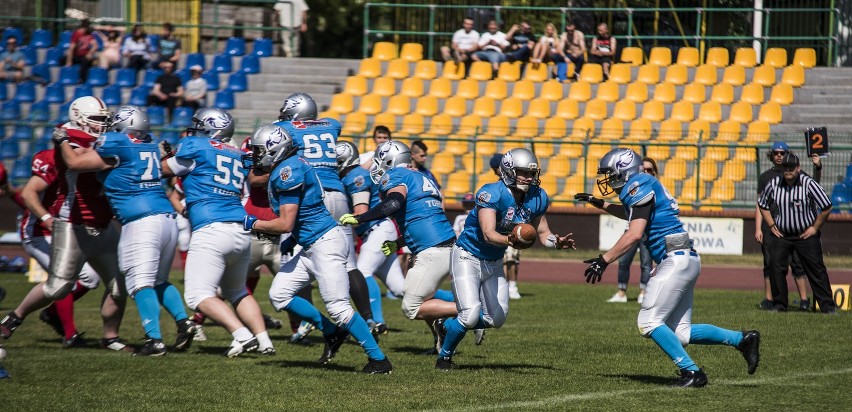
(491, 46)
(464, 43)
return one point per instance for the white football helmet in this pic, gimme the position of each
(519, 159)
(347, 155)
(389, 155)
(90, 114)
(270, 144)
(212, 122)
(618, 166)
(132, 120)
(298, 106)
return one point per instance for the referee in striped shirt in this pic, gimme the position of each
(802, 208)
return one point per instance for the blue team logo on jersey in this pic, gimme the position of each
(359, 181)
(286, 172)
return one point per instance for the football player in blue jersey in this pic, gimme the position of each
(296, 197)
(666, 314)
(364, 194)
(479, 282)
(315, 140)
(219, 248)
(128, 162)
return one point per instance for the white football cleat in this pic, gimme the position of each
(641, 298)
(241, 347)
(618, 298)
(478, 336)
(513, 293)
(200, 336)
(304, 329)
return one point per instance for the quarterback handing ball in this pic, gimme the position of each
(522, 236)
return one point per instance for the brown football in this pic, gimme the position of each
(524, 235)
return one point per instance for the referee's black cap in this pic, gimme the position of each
(790, 160)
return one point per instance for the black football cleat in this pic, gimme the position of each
(333, 342)
(271, 323)
(9, 324)
(378, 367)
(444, 363)
(186, 330)
(152, 347)
(691, 379)
(75, 341)
(52, 321)
(750, 348)
(440, 332)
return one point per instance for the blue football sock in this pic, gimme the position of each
(303, 309)
(149, 312)
(666, 339)
(455, 334)
(359, 330)
(445, 295)
(375, 299)
(705, 334)
(169, 297)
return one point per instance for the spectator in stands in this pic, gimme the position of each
(491, 45)
(111, 53)
(573, 51)
(522, 42)
(548, 47)
(293, 17)
(463, 45)
(137, 49)
(167, 88)
(603, 49)
(169, 47)
(195, 95)
(419, 154)
(82, 49)
(13, 62)
(381, 134)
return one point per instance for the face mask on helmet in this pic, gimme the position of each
(270, 145)
(90, 114)
(617, 166)
(520, 163)
(389, 155)
(347, 155)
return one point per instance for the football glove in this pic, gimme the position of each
(348, 219)
(59, 136)
(596, 268)
(389, 247)
(248, 222)
(165, 150)
(587, 197)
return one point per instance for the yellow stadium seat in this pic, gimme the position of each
(539, 108)
(716, 153)
(536, 72)
(482, 146)
(468, 88)
(455, 106)
(693, 190)
(412, 52)
(677, 74)
(640, 130)
(671, 130)
(805, 57)
(580, 91)
(441, 88)
(648, 74)
(688, 56)
(527, 126)
(595, 109)
(480, 71)
(620, 73)
(427, 106)
(355, 86)
(384, 51)
(717, 57)
(569, 151)
(764, 76)
(559, 166)
(724, 190)
(687, 153)
(385, 119)
(412, 87)
(443, 163)
(706, 75)
(440, 125)
(711, 112)
(770, 113)
(637, 92)
(574, 184)
(484, 107)
(399, 105)
(583, 128)
(342, 103)
(775, 57)
(498, 126)
(708, 170)
(412, 125)
(426, 69)
(452, 70)
(512, 107)
(660, 56)
(496, 89)
(741, 112)
(698, 130)
(611, 129)
(460, 142)
(734, 75)
(632, 56)
(470, 125)
(458, 183)
(554, 128)
(758, 132)
(794, 75)
(722, 93)
(548, 183)
(397, 69)
(608, 91)
(659, 153)
(782, 94)
(552, 90)
(752, 93)
(370, 68)
(665, 93)
(354, 124)
(624, 110)
(745, 154)
(509, 72)
(592, 73)
(568, 109)
(524, 90)
(729, 131)
(734, 170)
(331, 114)
(653, 110)
(384, 86)
(694, 93)
(370, 104)
(543, 149)
(683, 111)
(746, 57)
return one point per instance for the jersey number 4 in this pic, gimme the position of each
(229, 167)
(318, 147)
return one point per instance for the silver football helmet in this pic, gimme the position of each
(389, 155)
(347, 155)
(519, 159)
(618, 166)
(270, 144)
(132, 120)
(213, 123)
(298, 106)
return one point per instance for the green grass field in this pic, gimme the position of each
(562, 348)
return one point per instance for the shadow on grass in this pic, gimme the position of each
(306, 365)
(503, 366)
(649, 379)
(414, 350)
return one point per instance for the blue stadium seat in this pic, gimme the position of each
(235, 46)
(196, 59)
(98, 77)
(170, 136)
(2, 131)
(40, 111)
(100, 43)
(9, 149)
(222, 63)
(41, 39)
(212, 80)
(4, 91)
(139, 95)
(69, 75)
(43, 71)
(30, 55)
(13, 32)
(82, 91)
(262, 47)
(182, 117)
(40, 145)
(151, 77)
(156, 115)
(238, 82)
(250, 64)
(849, 172)
(63, 113)
(184, 75)
(25, 92)
(225, 99)
(22, 169)
(125, 78)
(54, 56)
(23, 132)
(10, 110)
(64, 39)
(46, 135)
(55, 93)
(111, 95)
